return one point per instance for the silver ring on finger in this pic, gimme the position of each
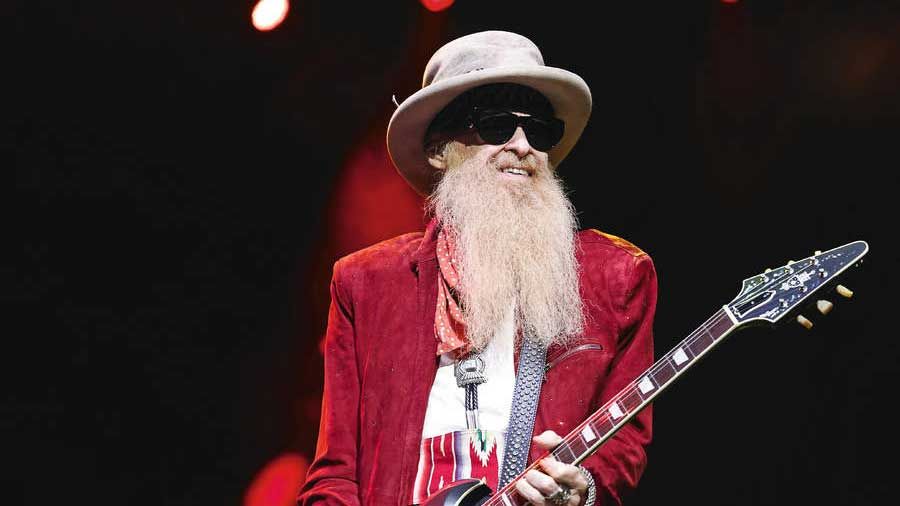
(560, 497)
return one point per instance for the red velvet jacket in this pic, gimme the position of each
(380, 362)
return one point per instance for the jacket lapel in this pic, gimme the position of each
(424, 367)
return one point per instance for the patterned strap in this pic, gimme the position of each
(526, 393)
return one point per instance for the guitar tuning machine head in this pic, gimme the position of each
(844, 291)
(824, 306)
(802, 320)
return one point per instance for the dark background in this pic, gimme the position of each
(183, 183)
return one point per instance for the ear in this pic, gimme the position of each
(434, 151)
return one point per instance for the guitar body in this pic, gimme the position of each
(469, 492)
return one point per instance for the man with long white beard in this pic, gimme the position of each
(447, 350)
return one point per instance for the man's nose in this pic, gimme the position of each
(518, 143)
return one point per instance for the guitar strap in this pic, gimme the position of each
(527, 391)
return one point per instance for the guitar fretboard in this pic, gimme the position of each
(603, 423)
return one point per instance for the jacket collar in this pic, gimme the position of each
(427, 250)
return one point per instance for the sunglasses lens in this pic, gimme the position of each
(543, 134)
(496, 127)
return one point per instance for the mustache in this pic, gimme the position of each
(508, 159)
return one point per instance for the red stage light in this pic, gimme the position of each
(277, 483)
(267, 14)
(437, 5)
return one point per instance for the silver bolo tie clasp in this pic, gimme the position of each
(469, 373)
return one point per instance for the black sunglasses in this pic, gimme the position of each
(498, 126)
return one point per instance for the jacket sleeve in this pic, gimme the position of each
(619, 463)
(332, 478)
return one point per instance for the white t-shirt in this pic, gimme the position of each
(446, 410)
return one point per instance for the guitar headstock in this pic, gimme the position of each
(770, 296)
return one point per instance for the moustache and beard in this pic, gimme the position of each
(515, 246)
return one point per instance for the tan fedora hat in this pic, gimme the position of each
(470, 61)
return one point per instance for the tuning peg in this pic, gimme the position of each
(768, 270)
(803, 321)
(824, 306)
(843, 290)
(817, 252)
(790, 262)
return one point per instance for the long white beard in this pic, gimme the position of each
(515, 245)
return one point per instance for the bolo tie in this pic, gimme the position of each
(469, 373)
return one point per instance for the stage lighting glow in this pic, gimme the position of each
(268, 14)
(436, 5)
(276, 484)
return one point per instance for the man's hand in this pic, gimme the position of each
(538, 486)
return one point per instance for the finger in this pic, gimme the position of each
(530, 493)
(539, 497)
(544, 484)
(547, 440)
(565, 474)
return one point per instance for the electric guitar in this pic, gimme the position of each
(764, 299)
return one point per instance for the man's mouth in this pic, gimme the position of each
(516, 171)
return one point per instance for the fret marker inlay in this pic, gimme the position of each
(646, 385)
(615, 411)
(588, 434)
(679, 357)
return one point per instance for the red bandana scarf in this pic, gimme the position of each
(449, 328)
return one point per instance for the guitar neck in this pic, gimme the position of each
(584, 440)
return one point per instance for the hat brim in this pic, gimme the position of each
(566, 91)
